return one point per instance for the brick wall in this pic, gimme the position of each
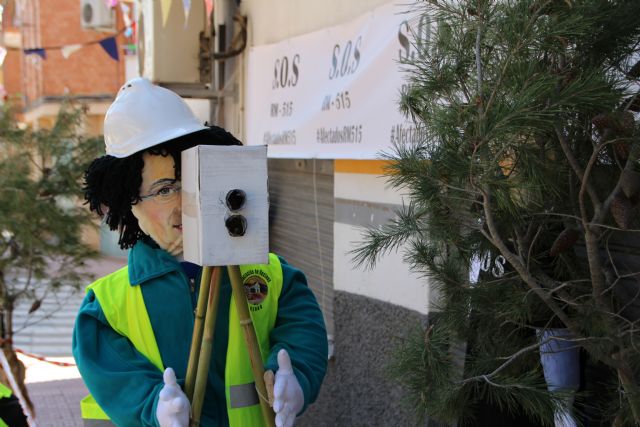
(89, 71)
(46, 23)
(12, 66)
(31, 64)
(12, 74)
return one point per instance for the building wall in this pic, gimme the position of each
(357, 391)
(301, 216)
(31, 84)
(12, 74)
(12, 40)
(90, 72)
(373, 309)
(364, 199)
(362, 196)
(276, 20)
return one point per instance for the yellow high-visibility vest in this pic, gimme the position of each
(124, 309)
(4, 392)
(263, 284)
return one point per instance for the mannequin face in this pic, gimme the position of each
(159, 214)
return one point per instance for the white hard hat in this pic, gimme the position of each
(144, 115)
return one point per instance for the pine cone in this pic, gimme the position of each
(544, 7)
(603, 121)
(621, 210)
(622, 150)
(626, 122)
(36, 305)
(568, 77)
(630, 183)
(564, 241)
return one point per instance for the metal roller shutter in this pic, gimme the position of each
(301, 222)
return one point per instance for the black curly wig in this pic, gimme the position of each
(111, 184)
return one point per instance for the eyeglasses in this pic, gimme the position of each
(164, 194)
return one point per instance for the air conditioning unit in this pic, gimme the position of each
(96, 15)
(169, 51)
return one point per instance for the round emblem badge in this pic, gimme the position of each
(256, 289)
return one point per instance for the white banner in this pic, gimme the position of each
(333, 93)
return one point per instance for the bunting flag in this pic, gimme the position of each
(110, 46)
(165, 6)
(208, 5)
(38, 51)
(69, 50)
(186, 4)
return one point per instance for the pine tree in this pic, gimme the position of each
(41, 215)
(530, 169)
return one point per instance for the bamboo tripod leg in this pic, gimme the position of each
(196, 340)
(205, 348)
(251, 340)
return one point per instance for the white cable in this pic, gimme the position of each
(315, 205)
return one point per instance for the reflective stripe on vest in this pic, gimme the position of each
(263, 284)
(124, 309)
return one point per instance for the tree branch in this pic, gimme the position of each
(577, 169)
(633, 155)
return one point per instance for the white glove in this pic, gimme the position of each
(287, 393)
(173, 405)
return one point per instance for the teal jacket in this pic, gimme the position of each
(118, 375)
